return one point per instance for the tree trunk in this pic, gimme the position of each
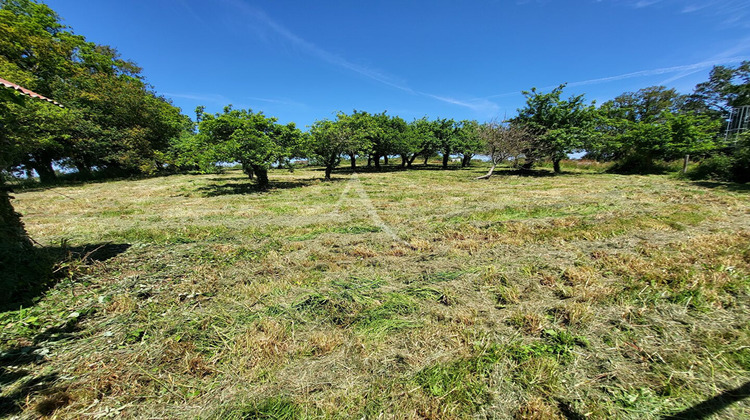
(45, 171)
(369, 161)
(410, 161)
(489, 174)
(12, 233)
(385, 159)
(352, 161)
(446, 157)
(376, 158)
(329, 167)
(466, 161)
(248, 170)
(426, 157)
(262, 177)
(685, 163)
(83, 170)
(403, 160)
(556, 165)
(24, 269)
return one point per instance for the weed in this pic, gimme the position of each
(507, 295)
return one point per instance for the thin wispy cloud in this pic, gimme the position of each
(682, 71)
(317, 52)
(481, 106)
(728, 56)
(282, 101)
(664, 70)
(727, 12)
(211, 98)
(645, 3)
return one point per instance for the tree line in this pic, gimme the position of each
(114, 124)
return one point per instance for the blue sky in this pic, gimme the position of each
(302, 61)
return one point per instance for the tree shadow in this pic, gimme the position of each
(533, 173)
(13, 403)
(28, 276)
(16, 370)
(729, 186)
(229, 178)
(73, 179)
(17, 364)
(246, 188)
(397, 168)
(713, 405)
(567, 411)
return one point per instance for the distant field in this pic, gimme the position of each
(417, 294)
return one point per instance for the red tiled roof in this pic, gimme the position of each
(25, 91)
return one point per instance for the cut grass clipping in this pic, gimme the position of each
(586, 295)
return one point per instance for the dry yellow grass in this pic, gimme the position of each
(528, 297)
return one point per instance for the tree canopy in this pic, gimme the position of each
(112, 120)
(249, 138)
(560, 125)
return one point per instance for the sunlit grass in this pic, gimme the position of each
(530, 296)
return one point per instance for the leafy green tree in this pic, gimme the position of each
(113, 120)
(446, 136)
(37, 134)
(394, 131)
(637, 128)
(725, 88)
(561, 126)
(328, 140)
(417, 140)
(247, 137)
(359, 127)
(690, 135)
(645, 105)
(469, 141)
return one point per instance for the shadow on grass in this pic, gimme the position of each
(248, 187)
(13, 403)
(71, 180)
(41, 268)
(713, 405)
(392, 168)
(28, 275)
(729, 186)
(16, 372)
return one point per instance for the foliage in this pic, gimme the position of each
(112, 121)
(637, 129)
(469, 141)
(731, 163)
(446, 134)
(247, 137)
(725, 88)
(560, 126)
(328, 140)
(416, 141)
(645, 105)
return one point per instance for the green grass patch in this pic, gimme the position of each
(169, 236)
(388, 316)
(462, 383)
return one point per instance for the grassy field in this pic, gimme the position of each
(419, 294)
